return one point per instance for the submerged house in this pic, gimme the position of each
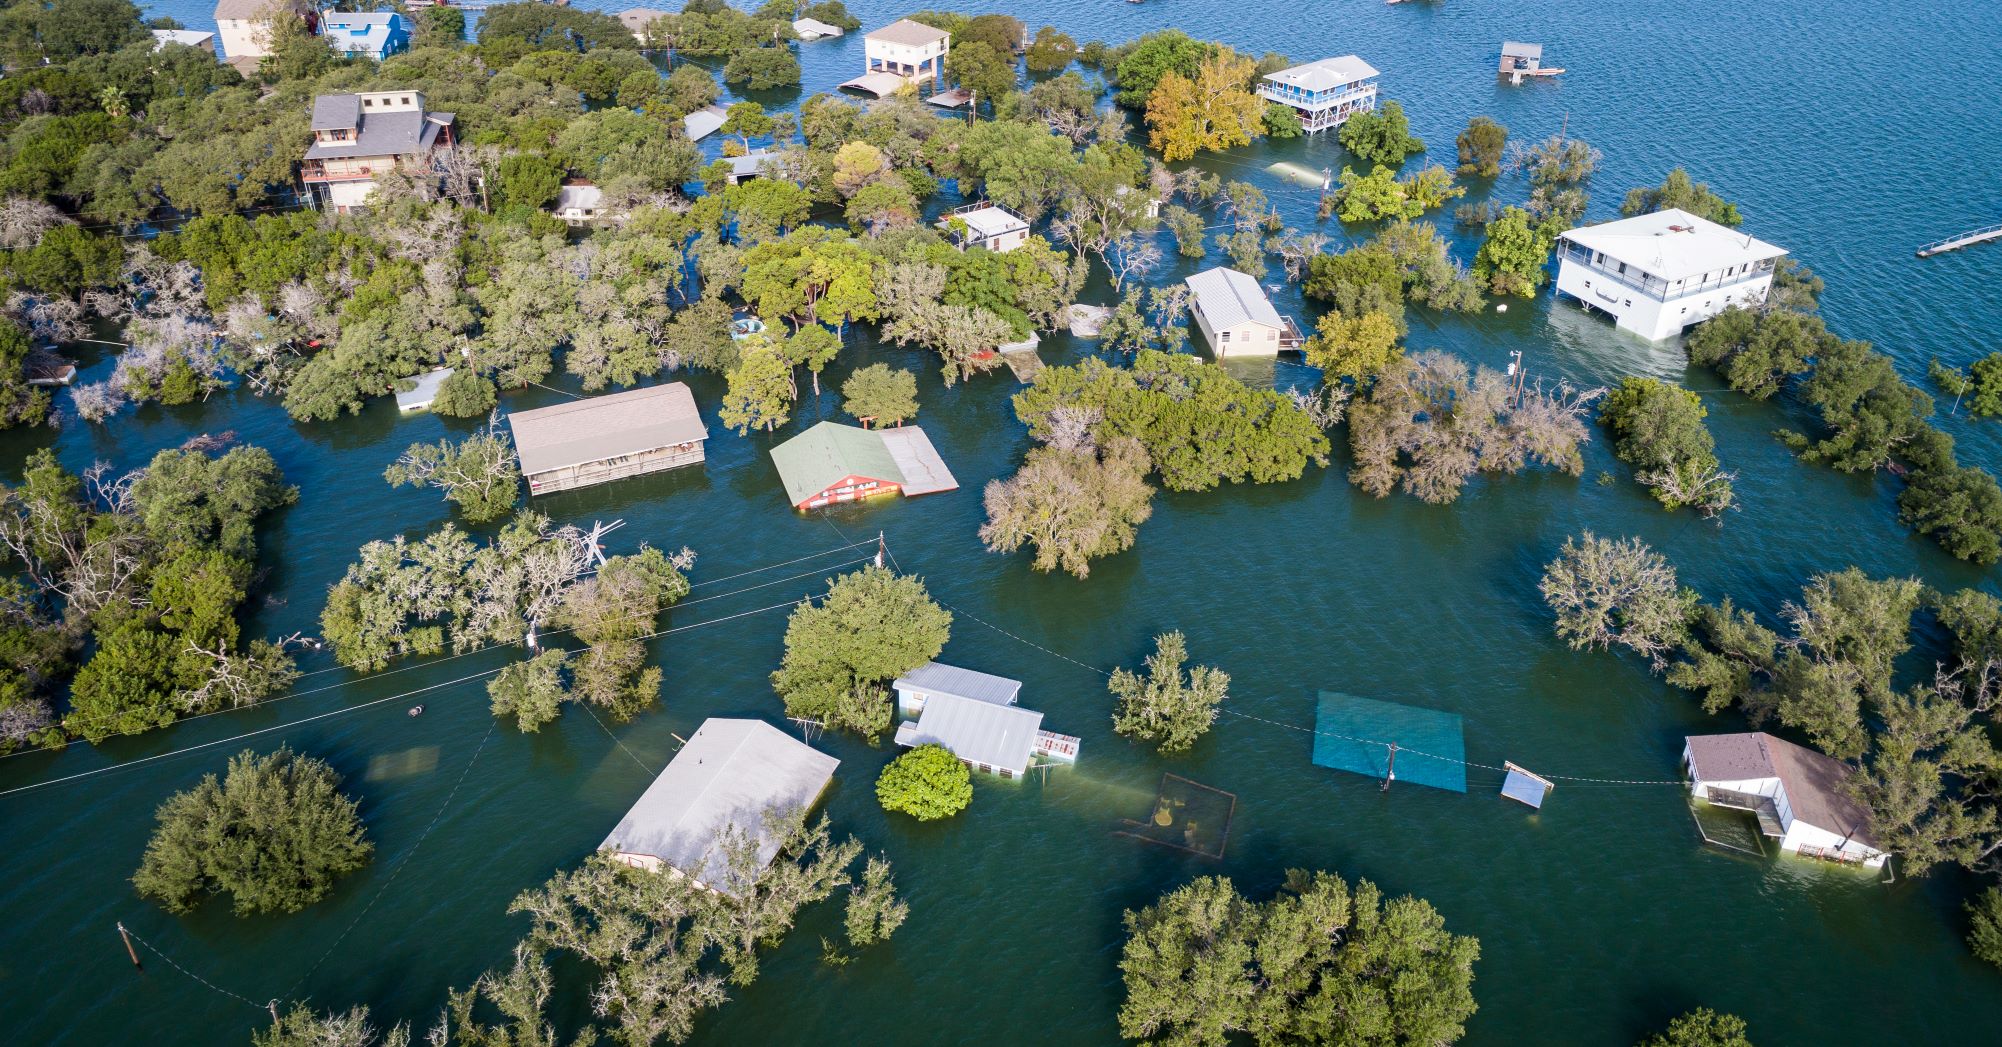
(637, 19)
(729, 776)
(1799, 795)
(423, 390)
(578, 201)
(1323, 94)
(1233, 313)
(832, 463)
(1656, 274)
(604, 438)
(973, 715)
(366, 34)
(992, 226)
(815, 29)
(359, 136)
(703, 122)
(188, 37)
(900, 54)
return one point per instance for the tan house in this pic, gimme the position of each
(359, 136)
(992, 226)
(603, 438)
(902, 53)
(245, 25)
(636, 20)
(1233, 313)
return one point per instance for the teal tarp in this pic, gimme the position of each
(1355, 734)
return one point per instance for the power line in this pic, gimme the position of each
(170, 962)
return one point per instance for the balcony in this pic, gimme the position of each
(1655, 287)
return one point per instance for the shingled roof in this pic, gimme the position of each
(601, 427)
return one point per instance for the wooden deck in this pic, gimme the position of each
(1967, 239)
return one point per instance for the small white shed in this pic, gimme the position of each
(1798, 795)
(1233, 313)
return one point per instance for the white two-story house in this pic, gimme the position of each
(1325, 93)
(1658, 273)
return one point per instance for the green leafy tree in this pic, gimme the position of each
(1281, 121)
(477, 474)
(980, 68)
(531, 691)
(1658, 429)
(465, 393)
(1513, 255)
(1678, 191)
(1984, 936)
(1357, 348)
(1382, 136)
(762, 68)
(1481, 146)
(872, 627)
(874, 912)
(1616, 592)
(1072, 501)
(1979, 387)
(1050, 52)
(927, 783)
(611, 612)
(1701, 1027)
(1168, 707)
(881, 395)
(275, 834)
(528, 180)
(760, 390)
(1152, 57)
(302, 1026)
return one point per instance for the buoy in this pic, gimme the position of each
(416, 710)
(1502, 308)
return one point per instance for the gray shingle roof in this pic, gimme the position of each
(938, 678)
(1228, 298)
(730, 773)
(601, 427)
(336, 112)
(398, 132)
(1000, 736)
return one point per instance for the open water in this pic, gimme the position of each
(1849, 132)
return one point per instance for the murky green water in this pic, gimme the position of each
(1599, 917)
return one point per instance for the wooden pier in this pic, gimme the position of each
(1968, 239)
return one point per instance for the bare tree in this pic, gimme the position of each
(1128, 257)
(1616, 592)
(23, 220)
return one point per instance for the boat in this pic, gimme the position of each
(744, 327)
(416, 710)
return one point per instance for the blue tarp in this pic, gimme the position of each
(1355, 735)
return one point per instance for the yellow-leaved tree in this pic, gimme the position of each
(1216, 110)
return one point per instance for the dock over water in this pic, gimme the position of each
(1967, 239)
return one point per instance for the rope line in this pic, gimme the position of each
(400, 862)
(170, 962)
(615, 739)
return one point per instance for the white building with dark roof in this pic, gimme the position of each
(1323, 94)
(1232, 312)
(733, 775)
(1656, 274)
(603, 438)
(359, 136)
(1799, 796)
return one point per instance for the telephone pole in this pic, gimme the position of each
(1390, 769)
(126, 936)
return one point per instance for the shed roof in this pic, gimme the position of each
(730, 773)
(1000, 736)
(703, 122)
(814, 28)
(940, 678)
(601, 427)
(882, 85)
(1814, 783)
(908, 33)
(923, 470)
(1326, 74)
(579, 194)
(163, 37)
(1228, 298)
(1514, 49)
(816, 459)
(1673, 244)
(425, 391)
(751, 164)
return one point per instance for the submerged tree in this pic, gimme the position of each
(1701, 1027)
(1616, 592)
(274, 834)
(302, 1026)
(1481, 146)
(477, 474)
(1166, 706)
(874, 911)
(928, 783)
(1679, 191)
(881, 395)
(1071, 502)
(872, 626)
(1658, 429)
(531, 691)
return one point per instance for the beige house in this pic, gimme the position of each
(636, 19)
(899, 54)
(359, 136)
(986, 225)
(1233, 313)
(245, 25)
(603, 438)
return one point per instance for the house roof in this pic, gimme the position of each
(1228, 298)
(638, 18)
(425, 391)
(730, 773)
(1814, 783)
(924, 471)
(981, 732)
(882, 85)
(336, 112)
(908, 33)
(257, 9)
(989, 221)
(394, 133)
(1513, 49)
(814, 28)
(163, 37)
(1673, 244)
(703, 122)
(580, 195)
(751, 164)
(601, 427)
(817, 459)
(364, 32)
(940, 678)
(1326, 74)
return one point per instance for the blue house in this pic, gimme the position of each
(367, 34)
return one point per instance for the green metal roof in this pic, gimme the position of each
(816, 459)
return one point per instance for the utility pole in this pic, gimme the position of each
(129, 950)
(272, 1006)
(972, 104)
(1390, 769)
(1518, 372)
(880, 549)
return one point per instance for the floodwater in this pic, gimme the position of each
(1848, 132)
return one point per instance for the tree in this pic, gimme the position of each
(1677, 191)
(1658, 429)
(1357, 348)
(746, 120)
(1072, 501)
(274, 834)
(531, 691)
(1051, 51)
(762, 68)
(1166, 707)
(1513, 255)
(1616, 592)
(880, 395)
(927, 783)
(987, 71)
(1381, 137)
(1701, 1027)
(760, 390)
(872, 627)
(1984, 914)
(874, 911)
(304, 1027)
(1210, 112)
(1319, 964)
(478, 474)
(612, 611)
(1958, 507)
(1281, 121)
(1982, 379)
(1151, 58)
(528, 180)
(1481, 147)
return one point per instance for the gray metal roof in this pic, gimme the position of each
(1228, 298)
(924, 471)
(939, 678)
(1000, 736)
(425, 391)
(1525, 787)
(601, 427)
(703, 122)
(730, 773)
(1519, 50)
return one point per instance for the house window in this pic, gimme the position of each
(1225, 336)
(405, 99)
(368, 103)
(1271, 336)
(1629, 301)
